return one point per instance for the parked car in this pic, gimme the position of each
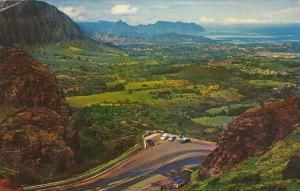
(164, 137)
(171, 138)
(150, 142)
(179, 183)
(184, 140)
(161, 131)
(147, 133)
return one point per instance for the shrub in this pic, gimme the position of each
(292, 170)
(214, 180)
(252, 178)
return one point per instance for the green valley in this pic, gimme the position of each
(149, 95)
(188, 89)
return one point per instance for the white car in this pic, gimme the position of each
(171, 138)
(184, 140)
(164, 137)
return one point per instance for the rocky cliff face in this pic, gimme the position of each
(37, 132)
(8, 185)
(252, 133)
(36, 22)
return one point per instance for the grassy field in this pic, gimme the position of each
(156, 84)
(217, 121)
(232, 109)
(109, 98)
(270, 84)
(159, 92)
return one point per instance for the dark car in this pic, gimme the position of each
(179, 183)
(150, 142)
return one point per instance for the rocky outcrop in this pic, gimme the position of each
(37, 132)
(31, 22)
(8, 185)
(252, 133)
(24, 82)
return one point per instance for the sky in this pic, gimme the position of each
(198, 11)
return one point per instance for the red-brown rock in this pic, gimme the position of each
(27, 83)
(252, 133)
(37, 132)
(8, 185)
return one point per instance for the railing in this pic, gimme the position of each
(6, 4)
(90, 174)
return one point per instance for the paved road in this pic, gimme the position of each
(157, 160)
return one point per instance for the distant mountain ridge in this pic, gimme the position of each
(153, 39)
(123, 29)
(31, 22)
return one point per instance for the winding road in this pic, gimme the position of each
(142, 170)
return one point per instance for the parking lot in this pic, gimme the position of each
(150, 167)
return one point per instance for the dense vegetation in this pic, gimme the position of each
(278, 169)
(186, 88)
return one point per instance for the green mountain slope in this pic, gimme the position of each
(36, 22)
(278, 169)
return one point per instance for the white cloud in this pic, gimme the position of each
(124, 10)
(204, 2)
(205, 20)
(77, 13)
(288, 15)
(233, 20)
(184, 2)
(160, 7)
